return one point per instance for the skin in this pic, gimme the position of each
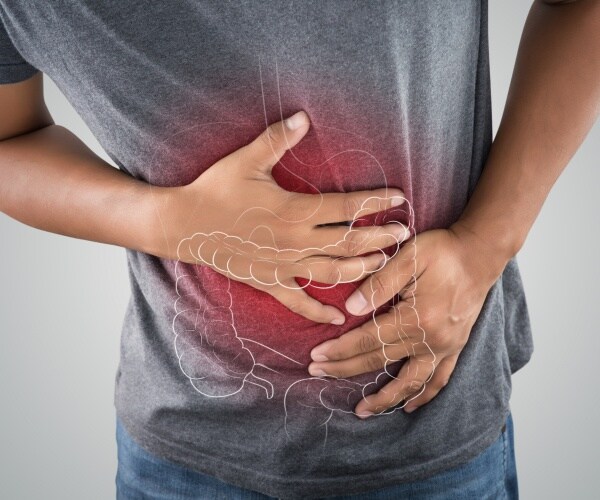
(47, 175)
(50, 180)
(553, 101)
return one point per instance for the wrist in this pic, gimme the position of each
(171, 214)
(155, 225)
(492, 251)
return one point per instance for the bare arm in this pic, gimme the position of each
(52, 181)
(553, 101)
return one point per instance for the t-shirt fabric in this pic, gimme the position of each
(213, 373)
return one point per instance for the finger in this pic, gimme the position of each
(380, 357)
(344, 241)
(298, 301)
(268, 148)
(441, 377)
(238, 260)
(321, 269)
(347, 241)
(383, 285)
(326, 208)
(337, 241)
(324, 269)
(244, 260)
(413, 375)
(228, 259)
(396, 326)
(377, 354)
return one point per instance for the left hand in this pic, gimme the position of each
(441, 291)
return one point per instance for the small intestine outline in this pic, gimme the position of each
(200, 350)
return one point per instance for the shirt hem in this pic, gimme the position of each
(306, 488)
(16, 72)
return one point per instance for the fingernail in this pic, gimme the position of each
(338, 321)
(316, 372)
(296, 121)
(319, 353)
(319, 357)
(397, 200)
(410, 409)
(356, 303)
(364, 414)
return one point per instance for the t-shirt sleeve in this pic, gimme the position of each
(13, 68)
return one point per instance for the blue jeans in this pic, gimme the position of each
(490, 475)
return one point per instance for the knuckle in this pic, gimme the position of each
(343, 267)
(350, 207)
(414, 386)
(332, 274)
(377, 283)
(270, 136)
(350, 244)
(372, 362)
(336, 352)
(367, 343)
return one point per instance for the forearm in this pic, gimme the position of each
(553, 102)
(50, 180)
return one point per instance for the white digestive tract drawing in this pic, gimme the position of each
(220, 361)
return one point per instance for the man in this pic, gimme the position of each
(236, 244)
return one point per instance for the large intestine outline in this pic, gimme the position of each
(221, 378)
(200, 353)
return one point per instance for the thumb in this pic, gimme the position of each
(268, 148)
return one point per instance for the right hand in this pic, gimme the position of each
(237, 220)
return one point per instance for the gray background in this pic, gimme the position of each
(62, 302)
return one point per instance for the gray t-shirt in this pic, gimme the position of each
(213, 373)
